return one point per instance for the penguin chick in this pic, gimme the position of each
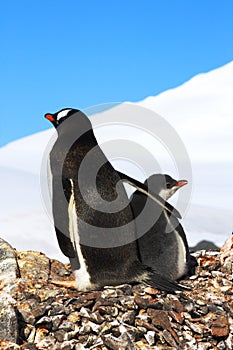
(163, 245)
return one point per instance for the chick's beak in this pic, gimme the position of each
(181, 183)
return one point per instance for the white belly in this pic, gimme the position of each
(82, 277)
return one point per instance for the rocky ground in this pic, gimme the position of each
(36, 314)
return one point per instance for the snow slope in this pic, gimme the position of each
(201, 111)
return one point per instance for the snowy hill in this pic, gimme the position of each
(201, 112)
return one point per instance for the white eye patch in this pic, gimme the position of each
(63, 113)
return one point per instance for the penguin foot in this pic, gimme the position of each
(66, 284)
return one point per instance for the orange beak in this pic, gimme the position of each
(181, 183)
(50, 117)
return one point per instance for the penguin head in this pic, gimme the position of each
(172, 186)
(59, 117)
(70, 122)
(164, 185)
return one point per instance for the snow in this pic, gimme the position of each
(200, 111)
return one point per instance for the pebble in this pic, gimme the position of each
(116, 317)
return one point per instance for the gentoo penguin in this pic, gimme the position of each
(92, 216)
(164, 246)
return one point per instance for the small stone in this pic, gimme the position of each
(25, 309)
(44, 322)
(109, 293)
(129, 317)
(67, 326)
(176, 316)
(91, 295)
(208, 261)
(56, 309)
(150, 337)
(56, 321)
(151, 291)
(159, 318)
(85, 328)
(58, 270)
(84, 312)
(81, 347)
(194, 326)
(8, 345)
(221, 345)
(113, 342)
(145, 325)
(74, 317)
(229, 341)
(189, 306)
(46, 343)
(28, 347)
(203, 310)
(60, 335)
(109, 310)
(220, 327)
(177, 306)
(105, 327)
(169, 339)
(41, 333)
(29, 333)
(128, 301)
(97, 317)
(68, 344)
(200, 302)
(95, 327)
(124, 289)
(142, 346)
(141, 302)
(204, 346)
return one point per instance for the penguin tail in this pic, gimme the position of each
(159, 282)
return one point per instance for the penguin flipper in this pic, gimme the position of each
(159, 282)
(65, 244)
(144, 190)
(192, 264)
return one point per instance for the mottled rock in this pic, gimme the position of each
(47, 316)
(8, 318)
(8, 345)
(8, 267)
(34, 266)
(220, 327)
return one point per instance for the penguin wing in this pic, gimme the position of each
(61, 216)
(144, 190)
(65, 244)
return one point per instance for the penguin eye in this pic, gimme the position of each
(168, 185)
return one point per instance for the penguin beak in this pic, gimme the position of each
(50, 117)
(181, 183)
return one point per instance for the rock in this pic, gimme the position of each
(8, 266)
(34, 266)
(6, 344)
(37, 314)
(220, 327)
(8, 318)
(150, 337)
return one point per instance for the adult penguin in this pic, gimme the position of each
(162, 242)
(92, 216)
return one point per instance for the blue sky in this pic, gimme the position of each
(57, 54)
